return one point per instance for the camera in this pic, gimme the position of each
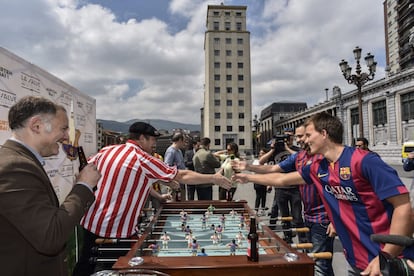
(280, 152)
(394, 266)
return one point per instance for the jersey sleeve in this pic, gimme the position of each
(383, 178)
(288, 165)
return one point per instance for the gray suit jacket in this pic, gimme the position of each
(205, 162)
(34, 229)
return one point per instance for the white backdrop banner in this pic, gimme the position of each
(19, 78)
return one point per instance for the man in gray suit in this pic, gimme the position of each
(205, 162)
(34, 228)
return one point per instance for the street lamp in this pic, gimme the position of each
(359, 79)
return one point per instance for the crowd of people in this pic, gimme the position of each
(345, 191)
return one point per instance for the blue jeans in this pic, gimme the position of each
(321, 243)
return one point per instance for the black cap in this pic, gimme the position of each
(143, 128)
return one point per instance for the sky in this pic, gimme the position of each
(144, 59)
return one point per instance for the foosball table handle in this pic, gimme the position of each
(321, 255)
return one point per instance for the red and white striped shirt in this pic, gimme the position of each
(127, 175)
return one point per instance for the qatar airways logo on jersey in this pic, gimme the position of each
(341, 193)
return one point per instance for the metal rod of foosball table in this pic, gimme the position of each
(216, 217)
(112, 241)
(276, 218)
(198, 210)
(297, 230)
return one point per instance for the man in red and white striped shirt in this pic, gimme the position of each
(128, 172)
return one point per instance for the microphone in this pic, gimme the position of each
(394, 239)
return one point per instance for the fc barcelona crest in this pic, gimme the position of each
(345, 173)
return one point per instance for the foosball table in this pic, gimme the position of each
(173, 241)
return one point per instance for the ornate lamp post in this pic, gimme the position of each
(359, 79)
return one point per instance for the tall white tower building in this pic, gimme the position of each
(227, 112)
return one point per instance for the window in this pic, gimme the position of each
(229, 90)
(241, 128)
(240, 53)
(217, 89)
(217, 142)
(379, 110)
(228, 77)
(354, 116)
(241, 102)
(229, 128)
(241, 90)
(238, 14)
(216, 25)
(407, 106)
(217, 77)
(227, 13)
(241, 115)
(240, 77)
(228, 65)
(241, 142)
(240, 41)
(239, 26)
(229, 115)
(216, 64)
(217, 128)
(216, 102)
(216, 40)
(217, 53)
(217, 115)
(227, 26)
(240, 65)
(229, 102)
(228, 53)
(216, 13)
(228, 40)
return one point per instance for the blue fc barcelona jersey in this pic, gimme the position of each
(354, 190)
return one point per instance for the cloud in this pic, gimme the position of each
(146, 68)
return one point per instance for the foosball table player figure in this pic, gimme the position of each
(233, 246)
(155, 248)
(165, 238)
(215, 238)
(240, 238)
(189, 238)
(241, 221)
(219, 231)
(203, 222)
(223, 220)
(194, 247)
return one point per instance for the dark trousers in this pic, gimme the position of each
(204, 193)
(191, 191)
(274, 212)
(85, 265)
(261, 193)
(226, 194)
(290, 204)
